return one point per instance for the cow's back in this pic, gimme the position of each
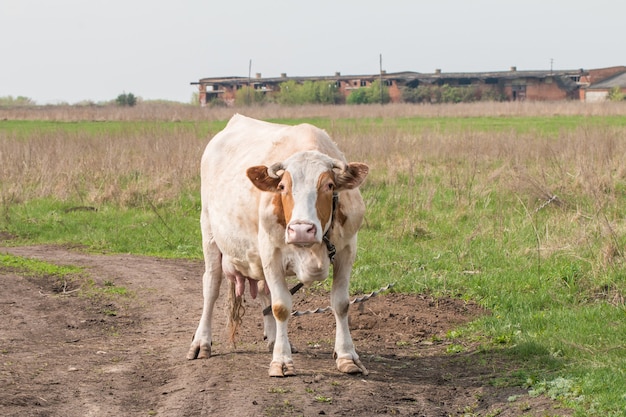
(248, 142)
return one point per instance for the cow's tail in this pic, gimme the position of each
(235, 312)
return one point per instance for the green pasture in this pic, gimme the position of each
(26, 129)
(547, 125)
(538, 240)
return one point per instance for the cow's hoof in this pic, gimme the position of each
(199, 352)
(278, 369)
(349, 366)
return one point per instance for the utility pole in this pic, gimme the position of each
(380, 59)
(249, 81)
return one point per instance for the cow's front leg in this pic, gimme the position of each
(345, 355)
(282, 361)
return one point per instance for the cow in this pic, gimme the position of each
(278, 201)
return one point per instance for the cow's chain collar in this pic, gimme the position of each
(332, 251)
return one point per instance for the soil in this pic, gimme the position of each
(84, 348)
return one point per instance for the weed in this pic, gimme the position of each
(454, 349)
(323, 399)
(278, 390)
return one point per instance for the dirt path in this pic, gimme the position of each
(124, 355)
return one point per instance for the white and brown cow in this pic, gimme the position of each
(277, 201)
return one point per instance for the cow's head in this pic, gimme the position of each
(303, 187)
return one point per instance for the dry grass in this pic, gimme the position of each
(160, 164)
(121, 170)
(173, 112)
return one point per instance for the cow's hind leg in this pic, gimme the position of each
(211, 280)
(269, 323)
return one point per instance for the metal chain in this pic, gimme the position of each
(545, 203)
(356, 300)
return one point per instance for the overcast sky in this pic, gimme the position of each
(74, 50)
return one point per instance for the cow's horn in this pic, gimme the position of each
(340, 165)
(272, 171)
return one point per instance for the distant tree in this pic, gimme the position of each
(125, 99)
(377, 93)
(195, 99)
(19, 101)
(289, 93)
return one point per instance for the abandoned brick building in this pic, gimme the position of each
(543, 85)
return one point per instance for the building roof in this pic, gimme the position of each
(406, 76)
(617, 80)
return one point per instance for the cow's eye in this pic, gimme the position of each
(281, 187)
(330, 186)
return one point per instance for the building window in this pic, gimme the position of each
(413, 84)
(465, 81)
(491, 81)
(363, 83)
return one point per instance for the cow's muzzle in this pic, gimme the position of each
(302, 233)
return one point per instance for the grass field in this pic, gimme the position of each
(520, 207)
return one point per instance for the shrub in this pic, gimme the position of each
(449, 94)
(421, 94)
(369, 95)
(309, 92)
(248, 96)
(615, 94)
(358, 96)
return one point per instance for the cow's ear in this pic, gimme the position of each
(352, 176)
(261, 179)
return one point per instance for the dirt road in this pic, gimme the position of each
(121, 351)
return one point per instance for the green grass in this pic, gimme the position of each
(469, 221)
(88, 129)
(170, 230)
(541, 125)
(33, 267)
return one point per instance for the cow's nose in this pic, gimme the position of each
(301, 233)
